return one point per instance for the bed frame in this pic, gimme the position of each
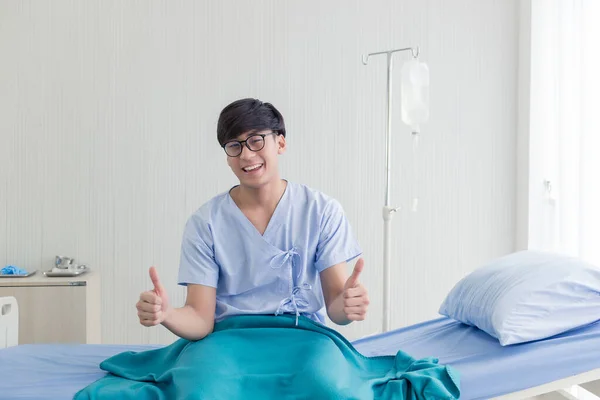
(9, 322)
(584, 386)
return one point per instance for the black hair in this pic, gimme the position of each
(248, 115)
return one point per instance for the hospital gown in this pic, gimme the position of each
(273, 273)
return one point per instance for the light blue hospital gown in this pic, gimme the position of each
(274, 273)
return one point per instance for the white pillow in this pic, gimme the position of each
(526, 296)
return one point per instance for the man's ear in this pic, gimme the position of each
(281, 144)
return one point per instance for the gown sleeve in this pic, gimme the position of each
(337, 243)
(197, 263)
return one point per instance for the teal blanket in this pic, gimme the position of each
(268, 357)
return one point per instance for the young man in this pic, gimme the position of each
(267, 246)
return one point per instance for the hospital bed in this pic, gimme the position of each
(487, 370)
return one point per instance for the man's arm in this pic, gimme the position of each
(346, 299)
(195, 320)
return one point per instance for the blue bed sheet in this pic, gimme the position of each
(486, 369)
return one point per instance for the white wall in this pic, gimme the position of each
(523, 183)
(107, 129)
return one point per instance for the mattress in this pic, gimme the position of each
(487, 369)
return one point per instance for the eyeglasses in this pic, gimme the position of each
(254, 142)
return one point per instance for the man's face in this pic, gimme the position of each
(258, 167)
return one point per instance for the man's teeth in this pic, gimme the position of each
(252, 167)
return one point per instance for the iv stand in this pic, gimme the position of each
(387, 209)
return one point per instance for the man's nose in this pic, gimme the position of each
(246, 153)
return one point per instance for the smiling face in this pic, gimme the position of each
(252, 133)
(259, 166)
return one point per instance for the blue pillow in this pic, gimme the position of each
(527, 296)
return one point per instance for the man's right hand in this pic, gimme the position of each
(153, 306)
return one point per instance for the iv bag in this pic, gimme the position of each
(415, 94)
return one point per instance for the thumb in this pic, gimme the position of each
(353, 280)
(158, 287)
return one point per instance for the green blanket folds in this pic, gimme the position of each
(268, 357)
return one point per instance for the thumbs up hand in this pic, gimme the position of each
(356, 298)
(153, 305)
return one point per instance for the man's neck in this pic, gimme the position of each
(266, 196)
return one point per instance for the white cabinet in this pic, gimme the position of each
(56, 310)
